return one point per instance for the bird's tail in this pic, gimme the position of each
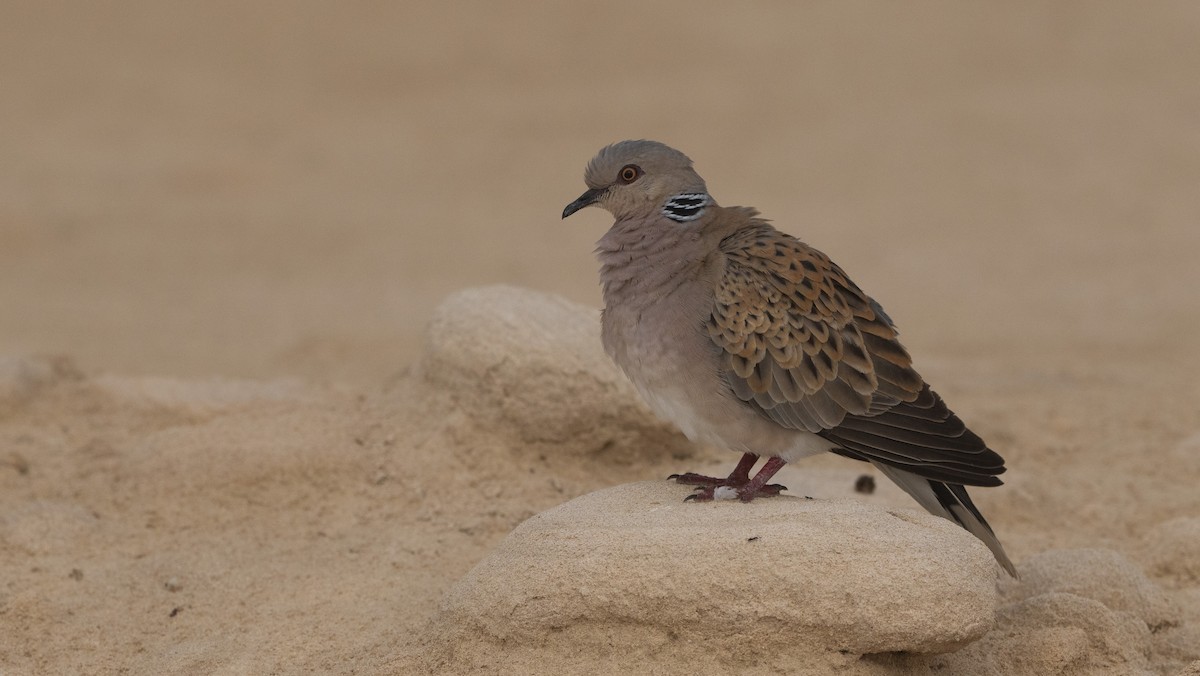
(949, 501)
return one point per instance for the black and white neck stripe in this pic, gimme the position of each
(686, 207)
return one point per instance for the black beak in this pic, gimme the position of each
(585, 200)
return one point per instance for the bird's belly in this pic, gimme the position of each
(677, 370)
(672, 407)
(722, 420)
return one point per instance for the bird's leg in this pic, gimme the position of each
(758, 486)
(738, 484)
(740, 476)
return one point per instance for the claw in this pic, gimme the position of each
(693, 479)
(737, 485)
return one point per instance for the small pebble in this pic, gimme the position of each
(865, 484)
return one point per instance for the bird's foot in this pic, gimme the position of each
(738, 485)
(723, 491)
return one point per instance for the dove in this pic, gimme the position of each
(748, 339)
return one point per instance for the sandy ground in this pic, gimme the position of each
(228, 225)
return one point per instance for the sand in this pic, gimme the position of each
(234, 439)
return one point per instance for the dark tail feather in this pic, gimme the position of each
(949, 501)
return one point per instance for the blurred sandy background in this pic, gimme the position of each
(267, 189)
(287, 190)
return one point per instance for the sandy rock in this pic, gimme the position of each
(21, 376)
(634, 573)
(530, 365)
(1172, 550)
(1102, 575)
(1192, 669)
(1181, 643)
(1084, 612)
(1058, 633)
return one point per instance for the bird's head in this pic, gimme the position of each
(638, 179)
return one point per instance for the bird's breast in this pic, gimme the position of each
(663, 349)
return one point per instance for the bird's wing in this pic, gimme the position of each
(806, 348)
(801, 339)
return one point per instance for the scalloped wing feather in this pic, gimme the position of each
(800, 338)
(806, 348)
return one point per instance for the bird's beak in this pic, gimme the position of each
(585, 200)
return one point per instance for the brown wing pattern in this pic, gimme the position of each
(805, 347)
(800, 339)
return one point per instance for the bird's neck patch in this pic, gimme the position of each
(686, 206)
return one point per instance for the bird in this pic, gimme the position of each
(748, 339)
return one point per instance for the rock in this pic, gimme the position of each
(1058, 633)
(530, 365)
(21, 377)
(1172, 550)
(1181, 643)
(610, 575)
(1085, 612)
(1102, 575)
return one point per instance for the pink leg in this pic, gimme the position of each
(759, 484)
(746, 489)
(738, 477)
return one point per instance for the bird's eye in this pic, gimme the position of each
(630, 173)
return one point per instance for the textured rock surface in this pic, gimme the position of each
(21, 376)
(1082, 612)
(1102, 575)
(1173, 551)
(603, 594)
(529, 366)
(634, 567)
(213, 525)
